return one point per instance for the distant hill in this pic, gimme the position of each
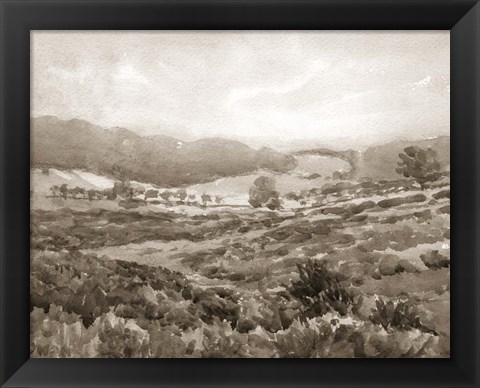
(122, 154)
(379, 162)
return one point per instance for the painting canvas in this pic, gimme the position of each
(252, 194)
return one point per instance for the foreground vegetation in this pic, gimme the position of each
(351, 269)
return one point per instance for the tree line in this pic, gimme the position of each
(126, 191)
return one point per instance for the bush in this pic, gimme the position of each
(356, 209)
(320, 290)
(119, 341)
(435, 260)
(263, 193)
(400, 315)
(59, 334)
(442, 194)
(303, 341)
(402, 200)
(392, 264)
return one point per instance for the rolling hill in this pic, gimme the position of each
(122, 154)
(379, 162)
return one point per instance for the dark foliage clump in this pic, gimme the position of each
(435, 260)
(213, 303)
(263, 193)
(420, 164)
(320, 290)
(442, 194)
(400, 315)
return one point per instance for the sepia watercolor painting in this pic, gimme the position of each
(240, 194)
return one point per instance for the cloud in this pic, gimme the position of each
(297, 81)
(126, 72)
(424, 82)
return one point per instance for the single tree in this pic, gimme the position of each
(71, 192)
(206, 198)
(218, 200)
(130, 193)
(166, 195)
(420, 164)
(110, 194)
(64, 191)
(263, 193)
(182, 194)
(123, 189)
(77, 191)
(91, 194)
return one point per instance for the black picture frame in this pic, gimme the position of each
(19, 17)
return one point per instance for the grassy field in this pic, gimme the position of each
(358, 269)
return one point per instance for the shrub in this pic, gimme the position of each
(166, 342)
(355, 209)
(210, 305)
(59, 334)
(151, 193)
(435, 260)
(220, 341)
(320, 290)
(392, 264)
(292, 196)
(119, 341)
(397, 201)
(442, 194)
(301, 341)
(400, 315)
(316, 338)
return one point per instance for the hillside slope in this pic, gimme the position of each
(163, 160)
(379, 162)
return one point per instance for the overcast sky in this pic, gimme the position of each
(339, 89)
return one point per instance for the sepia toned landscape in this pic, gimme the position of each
(290, 244)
